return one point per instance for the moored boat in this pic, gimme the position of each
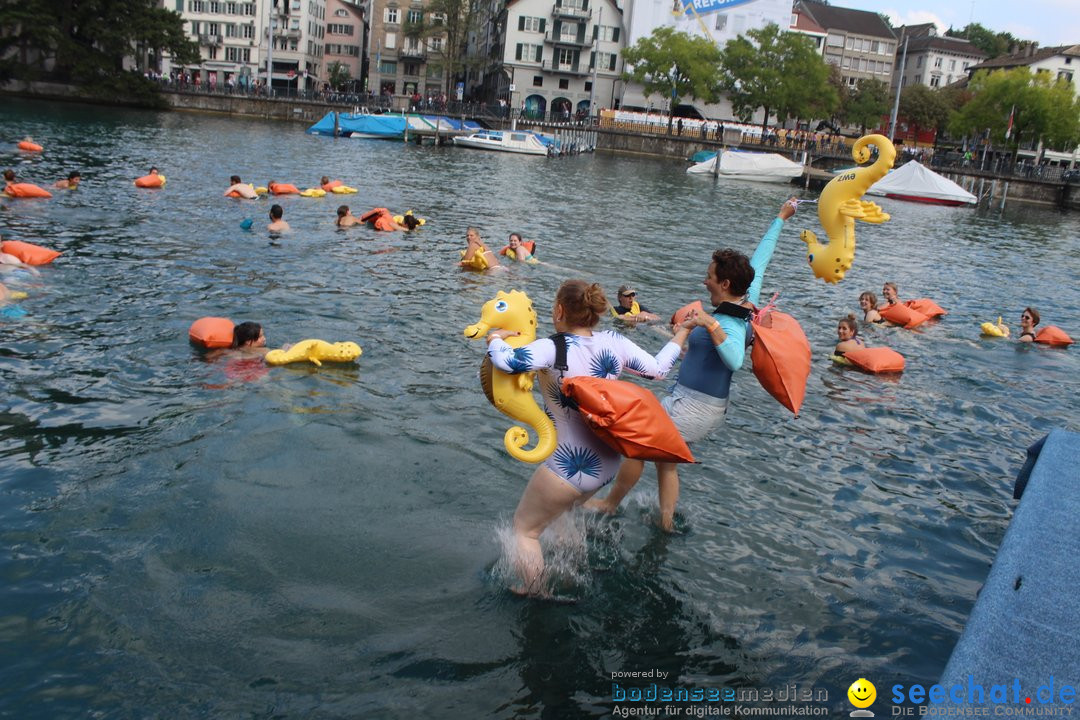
(759, 167)
(514, 141)
(916, 183)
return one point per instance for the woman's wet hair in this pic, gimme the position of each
(343, 211)
(871, 297)
(583, 303)
(732, 265)
(9, 175)
(515, 235)
(893, 286)
(850, 323)
(245, 333)
(1034, 315)
(410, 222)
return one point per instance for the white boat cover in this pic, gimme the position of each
(916, 180)
(751, 164)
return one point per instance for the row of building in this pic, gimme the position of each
(546, 56)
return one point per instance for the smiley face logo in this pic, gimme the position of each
(862, 693)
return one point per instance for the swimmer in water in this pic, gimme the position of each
(868, 304)
(241, 189)
(847, 334)
(72, 182)
(1028, 320)
(277, 221)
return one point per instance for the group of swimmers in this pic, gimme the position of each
(477, 256)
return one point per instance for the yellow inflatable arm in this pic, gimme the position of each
(316, 352)
(998, 329)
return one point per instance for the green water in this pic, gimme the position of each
(179, 542)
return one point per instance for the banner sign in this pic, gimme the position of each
(704, 7)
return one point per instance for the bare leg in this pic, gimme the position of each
(667, 477)
(546, 497)
(627, 477)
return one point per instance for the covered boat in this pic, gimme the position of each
(514, 141)
(918, 183)
(761, 167)
(361, 125)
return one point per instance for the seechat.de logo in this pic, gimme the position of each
(862, 694)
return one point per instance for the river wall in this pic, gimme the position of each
(989, 188)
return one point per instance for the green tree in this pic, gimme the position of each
(338, 75)
(674, 65)
(450, 21)
(1042, 109)
(866, 104)
(991, 43)
(778, 72)
(923, 107)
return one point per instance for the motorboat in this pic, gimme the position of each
(759, 167)
(917, 183)
(514, 141)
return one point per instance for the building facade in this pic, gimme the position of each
(346, 44)
(549, 58)
(860, 43)
(931, 59)
(1061, 62)
(408, 53)
(803, 24)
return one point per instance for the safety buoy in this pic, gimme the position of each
(313, 192)
(26, 190)
(683, 312)
(328, 187)
(212, 332)
(876, 359)
(530, 246)
(1053, 335)
(283, 189)
(927, 307)
(30, 146)
(902, 315)
(150, 181)
(28, 252)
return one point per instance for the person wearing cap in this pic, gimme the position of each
(628, 309)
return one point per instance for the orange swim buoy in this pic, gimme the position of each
(28, 252)
(212, 332)
(927, 307)
(283, 189)
(30, 146)
(683, 312)
(370, 215)
(1053, 335)
(876, 360)
(331, 185)
(902, 315)
(781, 358)
(26, 190)
(150, 181)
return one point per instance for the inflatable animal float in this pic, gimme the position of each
(316, 352)
(512, 394)
(998, 329)
(840, 206)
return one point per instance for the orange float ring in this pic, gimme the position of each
(212, 332)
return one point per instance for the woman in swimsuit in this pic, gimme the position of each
(888, 291)
(1028, 320)
(582, 463)
(868, 304)
(847, 332)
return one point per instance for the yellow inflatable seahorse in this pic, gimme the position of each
(316, 352)
(840, 206)
(512, 394)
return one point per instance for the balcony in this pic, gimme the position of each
(578, 69)
(577, 41)
(293, 34)
(210, 40)
(567, 11)
(418, 54)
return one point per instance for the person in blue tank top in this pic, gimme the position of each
(716, 348)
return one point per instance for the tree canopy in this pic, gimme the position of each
(779, 72)
(338, 75)
(991, 43)
(866, 104)
(453, 21)
(924, 107)
(675, 65)
(1043, 109)
(87, 41)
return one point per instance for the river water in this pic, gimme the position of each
(183, 538)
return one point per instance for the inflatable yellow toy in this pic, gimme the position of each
(316, 352)
(313, 192)
(478, 262)
(343, 190)
(512, 394)
(840, 206)
(400, 219)
(261, 190)
(998, 329)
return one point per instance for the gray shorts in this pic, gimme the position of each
(694, 413)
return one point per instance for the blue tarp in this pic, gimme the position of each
(1025, 625)
(389, 126)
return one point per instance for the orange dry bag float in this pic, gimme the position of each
(684, 312)
(283, 189)
(150, 181)
(927, 307)
(626, 416)
(28, 252)
(781, 356)
(331, 185)
(30, 146)
(902, 315)
(1053, 335)
(876, 360)
(212, 332)
(26, 190)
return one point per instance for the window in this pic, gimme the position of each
(339, 29)
(721, 22)
(391, 41)
(412, 69)
(435, 44)
(588, 86)
(1065, 75)
(952, 65)
(215, 6)
(230, 30)
(248, 32)
(231, 8)
(390, 15)
(538, 81)
(568, 32)
(531, 24)
(606, 33)
(529, 52)
(434, 71)
(846, 64)
(414, 16)
(564, 84)
(606, 61)
(438, 18)
(211, 54)
(213, 29)
(919, 64)
(197, 6)
(388, 67)
(935, 80)
(937, 62)
(341, 12)
(837, 41)
(566, 57)
(249, 9)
